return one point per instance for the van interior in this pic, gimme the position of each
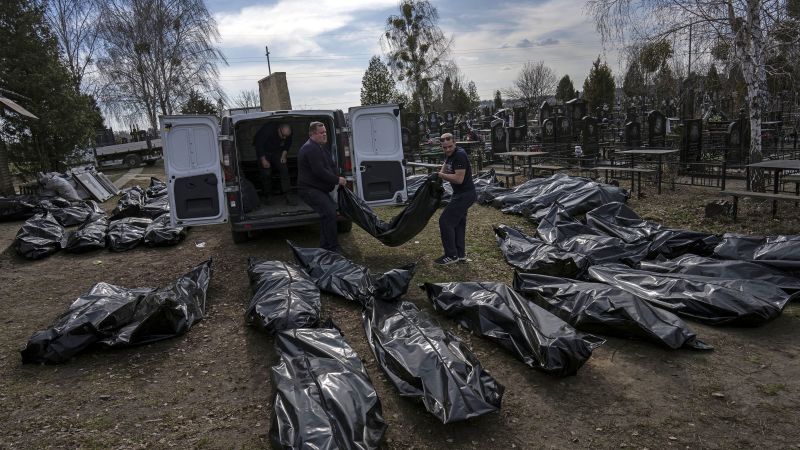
(248, 165)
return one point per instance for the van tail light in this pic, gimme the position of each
(227, 158)
(348, 162)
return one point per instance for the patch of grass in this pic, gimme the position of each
(771, 389)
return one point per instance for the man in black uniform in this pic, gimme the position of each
(317, 176)
(453, 221)
(272, 144)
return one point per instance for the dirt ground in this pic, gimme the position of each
(210, 388)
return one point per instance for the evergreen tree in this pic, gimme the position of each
(198, 104)
(33, 71)
(448, 95)
(498, 100)
(474, 98)
(633, 84)
(599, 87)
(377, 84)
(565, 90)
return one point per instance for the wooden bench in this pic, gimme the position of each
(506, 174)
(429, 166)
(759, 195)
(551, 168)
(632, 170)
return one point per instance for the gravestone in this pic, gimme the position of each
(692, 142)
(434, 126)
(520, 117)
(545, 112)
(590, 136)
(549, 131)
(410, 132)
(517, 135)
(563, 129)
(633, 134)
(499, 138)
(576, 110)
(736, 146)
(656, 129)
(449, 119)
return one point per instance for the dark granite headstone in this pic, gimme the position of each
(656, 129)
(590, 136)
(499, 138)
(545, 112)
(633, 134)
(549, 131)
(692, 142)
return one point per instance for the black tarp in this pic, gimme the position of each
(130, 204)
(18, 207)
(157, 188)
(335, 274)
(114, 316)
(154, 207)
(603, 309)
(566, 233)
(576, 195)
(426, 362)
(76, 213)
(324, 398)
(40, 236)
(618, 220)
(530, 254)
(411, 220)
(125, 234)
(779, 251)
(284, 297)
(160, 233)
(711, 300)
(535, 336)
(91, 235)
(724, 268)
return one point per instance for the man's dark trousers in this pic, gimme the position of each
(322, 204)
(453, 223)
(266, 174)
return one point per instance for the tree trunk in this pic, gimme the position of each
(6, 181)
(750, 48)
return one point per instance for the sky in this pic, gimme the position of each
(325, 46)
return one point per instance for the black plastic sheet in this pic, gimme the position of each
(284, 297)
(114, 316)
(530, 254)
(724, 268)
(75, 213)
(782, 252)
(130, 204)
(618, 220)
(535, 336)
(160, 233)
(411, 220)
(40, 236)
(91, 235)
(335, 274)
(125, 234)
(603, 309)
(711, 300)
(324, 398)
(18, 207)
(155, 207)
(157, 188)
(426, 362)
(560, 229)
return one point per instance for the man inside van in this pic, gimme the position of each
(317, 176)
(272, 144)
(453, 221)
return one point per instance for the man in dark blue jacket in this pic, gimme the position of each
(453, 221)
(317, 176)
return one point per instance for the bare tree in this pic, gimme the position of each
(75, 24)
(247, 99)
(535, 82)
(157, 51)
(416, 47)
(750, 31)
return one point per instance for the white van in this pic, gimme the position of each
(208, 166)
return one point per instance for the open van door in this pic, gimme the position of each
(194, 173)
(377, 154)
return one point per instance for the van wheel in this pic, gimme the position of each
(344, 226)
(132, 161)
(239, 237)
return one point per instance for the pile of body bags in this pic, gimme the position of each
(140, 217)
(615, 266)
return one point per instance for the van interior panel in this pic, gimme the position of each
(381, 179)
(199, 196)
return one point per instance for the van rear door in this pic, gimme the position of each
(194, 173)
(377, 154)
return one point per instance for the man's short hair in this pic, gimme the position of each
(314, 126)
(285, 126)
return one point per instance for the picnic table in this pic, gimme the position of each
(776, 165)
(520, 154)
(660, 152)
